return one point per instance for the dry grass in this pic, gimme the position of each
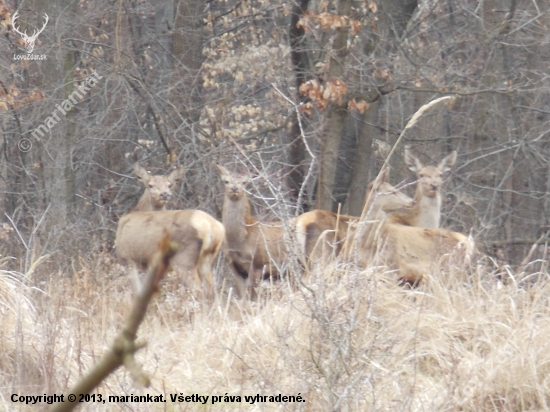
(350, 341)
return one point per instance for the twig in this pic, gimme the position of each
(527, 258)
(410, 124)
(543, 239)
(17, 231)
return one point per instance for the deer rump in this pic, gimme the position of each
(139, 233)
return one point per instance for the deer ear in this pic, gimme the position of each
(142, 174)
(448, 162)
(380, 179)
(384, 175)
(245, 180)
(412, 161)
(222, 170)
(176, 174)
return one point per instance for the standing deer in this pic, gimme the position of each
(427, 211)
(253, 249)
(318, 224)
(198, 235)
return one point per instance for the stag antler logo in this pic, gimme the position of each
(29, 40)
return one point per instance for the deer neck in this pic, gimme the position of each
(236, 219)
(427, 211)
(146, 205)
(374, 217)
(375, 212)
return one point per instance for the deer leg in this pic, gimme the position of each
(204, 269)
(136, 281)
(254, 276)
(186, 261)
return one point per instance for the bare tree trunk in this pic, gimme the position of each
(335, 118)
(300, 65)
(187, 45)
(394, 17)
(57, 160)
(362, 168)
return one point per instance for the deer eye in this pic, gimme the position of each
(150, 186)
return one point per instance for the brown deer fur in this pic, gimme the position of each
(416, 251)
(313, 225)
(412, 251)
(198, 237)
(253, 249)
(427, 211)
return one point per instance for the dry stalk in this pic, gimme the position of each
(410, 124)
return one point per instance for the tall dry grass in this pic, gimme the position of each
(349, 340)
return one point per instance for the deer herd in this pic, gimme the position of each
(409, 240)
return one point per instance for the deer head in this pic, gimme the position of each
(29, 40)
(235, 185)
(385, 196)
(158, 190)
(430, 178)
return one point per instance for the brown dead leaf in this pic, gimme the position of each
(356, 26)
(361, 106)
(306, 108)
(5, 18)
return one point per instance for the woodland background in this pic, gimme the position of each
(227, 81)
(308, 97)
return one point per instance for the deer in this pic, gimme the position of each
(197, 235)
(312, 226)
(29, 40)
(410, 250)
(427, 211)
(253, 249)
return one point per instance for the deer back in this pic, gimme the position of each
(417, 251)
(138, 234)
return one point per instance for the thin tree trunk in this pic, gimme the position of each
(187, 45)
(362, 168)
(335, 119)
(300, 65)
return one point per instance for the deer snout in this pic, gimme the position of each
(434, 187)
(165, 196)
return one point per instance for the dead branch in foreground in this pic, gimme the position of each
(124, 346)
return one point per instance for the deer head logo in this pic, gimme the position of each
(29, 40)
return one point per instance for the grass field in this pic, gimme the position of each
(348, 340)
